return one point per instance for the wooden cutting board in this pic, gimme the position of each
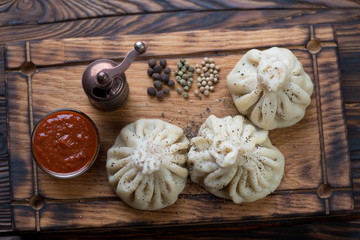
(42, 76)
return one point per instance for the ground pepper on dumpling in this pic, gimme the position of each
(146, 166)
(270, 87)
(233, 159)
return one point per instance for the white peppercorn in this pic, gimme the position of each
(211, 88)
(206, 93)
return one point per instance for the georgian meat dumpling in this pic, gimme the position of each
(233, 159)
(270, 87)
(147, 164)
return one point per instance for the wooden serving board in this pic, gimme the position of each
(42, 76)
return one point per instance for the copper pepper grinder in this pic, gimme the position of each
(104, 81)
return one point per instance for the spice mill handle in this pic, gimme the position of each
(105, 76)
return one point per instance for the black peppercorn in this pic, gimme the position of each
(158, 84)
(171, 83)
(163, 63)
(156, 76)
(157, 69)
(151, 91)
(152, 63)
(150, 72)
(167, 70)
(160, 94)
(164, 78)
(166, 91)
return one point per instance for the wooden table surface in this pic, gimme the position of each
(25, 20)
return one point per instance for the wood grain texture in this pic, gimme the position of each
(77, 50)
(23, 26)
(82, 200)
(5, 198)
(316, 229)
(335, 143)
(176, 21)
(14, 12)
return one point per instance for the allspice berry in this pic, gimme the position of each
(158, 84)
(151, 91)
(152, 63)
(150, 72)
(160, 94)
(171, 83)
(163, 63)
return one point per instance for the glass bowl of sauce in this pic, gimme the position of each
(65, 143)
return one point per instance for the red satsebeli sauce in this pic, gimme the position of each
(65, 142)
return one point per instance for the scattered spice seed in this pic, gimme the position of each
(160, 94)
(163, 63)
(209, 75)
(155, 76)
(184, 76)
(152, 63)
(151, 91)
(158, 84)
(157, 69)
(171, 83)
(150, 72)
(166, 91)
(161, 75)
(167, 70)
(164, 78)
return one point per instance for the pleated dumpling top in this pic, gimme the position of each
(270, 87)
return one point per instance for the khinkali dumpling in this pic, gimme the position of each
(233, 159)
(270, 87)
(147, 164)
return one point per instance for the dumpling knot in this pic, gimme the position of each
(226, 152)
(273, 73)
(146, 157)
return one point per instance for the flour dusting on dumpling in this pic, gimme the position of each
(147, 164)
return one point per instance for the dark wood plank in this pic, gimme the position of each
(349, 54)
(317, 229)
(39, 12)
(332, 117)
(176, 21)
(5, 197)
(68, 51)
(19, 135)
